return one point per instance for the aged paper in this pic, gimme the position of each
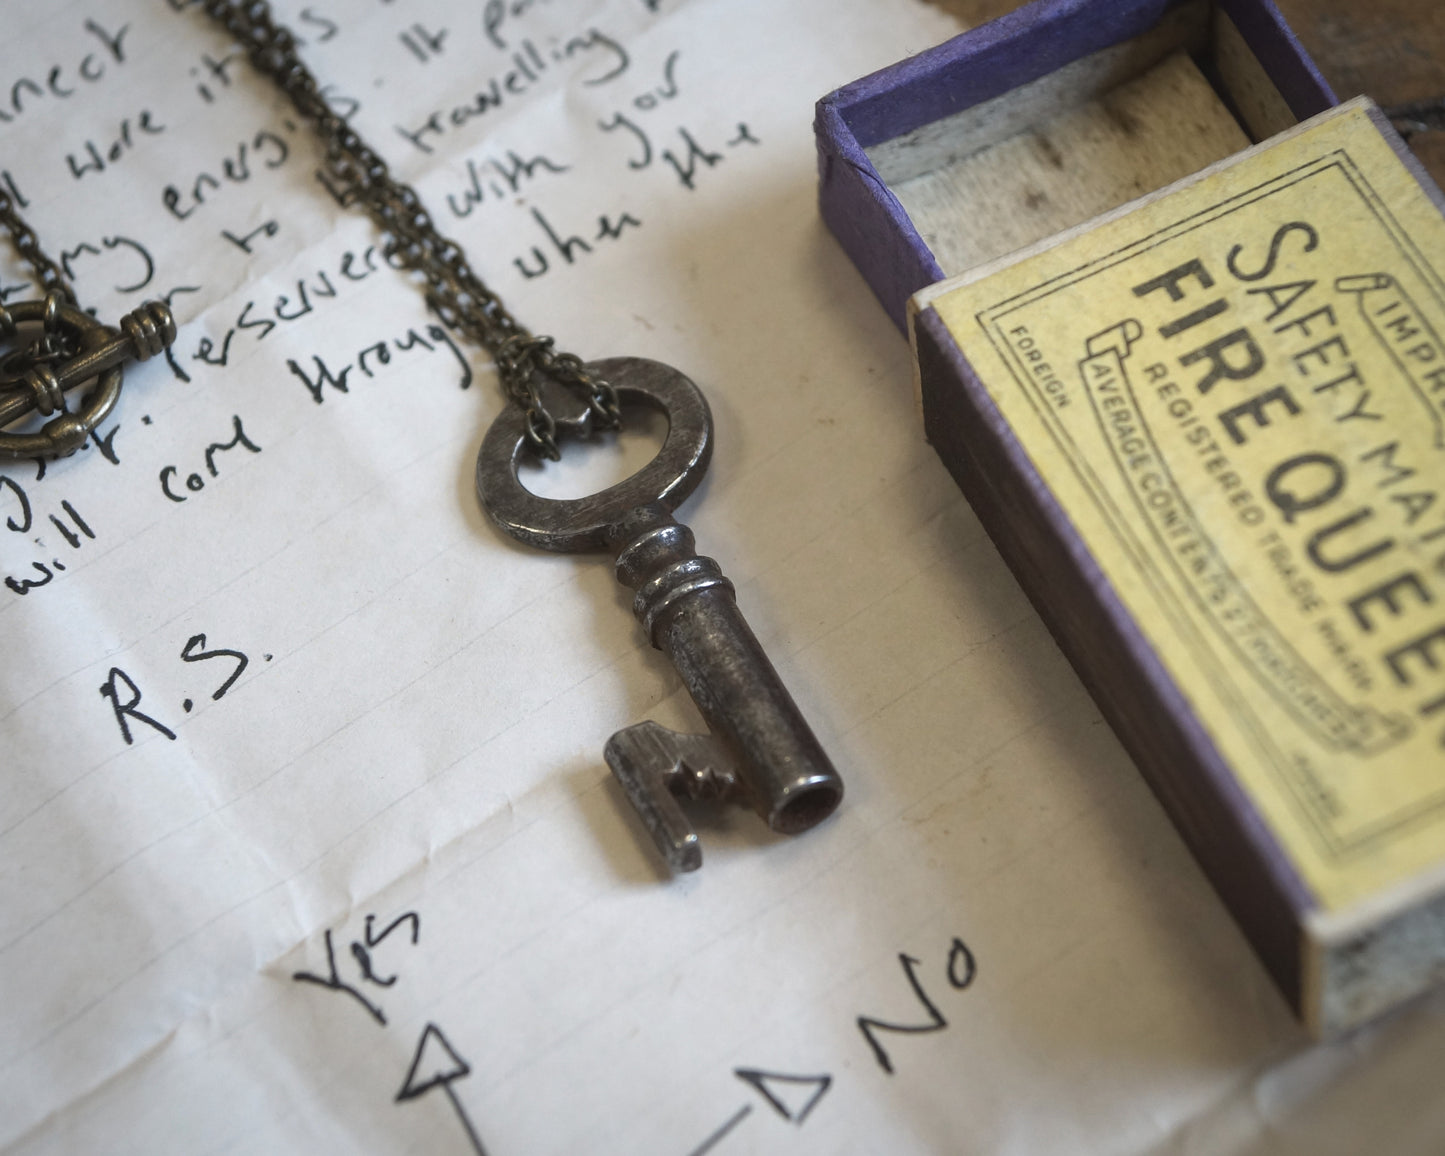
(306, 841)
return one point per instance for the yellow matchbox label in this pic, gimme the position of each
(1237, 394)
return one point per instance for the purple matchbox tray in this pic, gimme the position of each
(1146, 299)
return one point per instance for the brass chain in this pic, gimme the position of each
(456, 294)
(52, 279)
(71, 349)
(54, 345)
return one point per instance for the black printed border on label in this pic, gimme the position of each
(1318, 821)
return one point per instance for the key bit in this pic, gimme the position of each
(657, 766)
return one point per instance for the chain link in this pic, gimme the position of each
(453, 290)
(47, 272)
(53, 345)
(71, 349)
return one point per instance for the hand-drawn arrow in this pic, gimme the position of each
(437, 1065)
(773, 1087)
(776, 1089)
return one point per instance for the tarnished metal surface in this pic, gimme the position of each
(656, 766)
(50, 346)
(56, 347)
(584, 524)
(683, 600)
(762, 752)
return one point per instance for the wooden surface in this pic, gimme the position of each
(1393, 50)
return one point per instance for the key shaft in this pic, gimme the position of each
(690, 613)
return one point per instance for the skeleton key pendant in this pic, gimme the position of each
(761, 752)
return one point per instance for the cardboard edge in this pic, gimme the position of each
(987, 61)
(975, 66)
(1397, 934)
(981, 63)
(925, 297)
(1412, 163)
(867, 219)
(1283, 57)
(1228, 837)
(1183, 28)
